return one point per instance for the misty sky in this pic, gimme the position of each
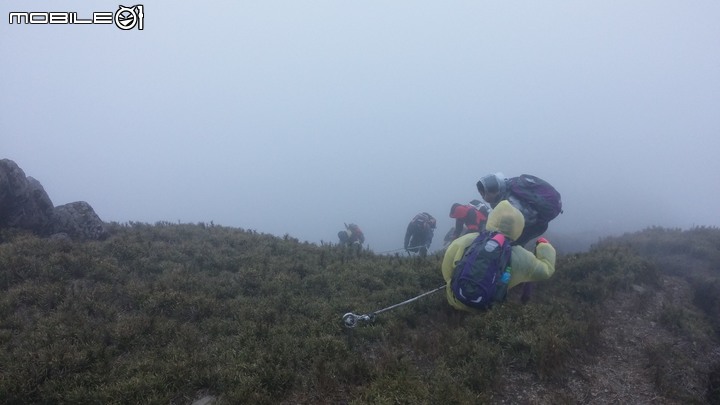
(297, 116)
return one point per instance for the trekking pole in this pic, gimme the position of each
(350, 320)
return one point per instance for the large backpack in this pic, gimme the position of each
(424, 220)
(538, 194)
(476, 277)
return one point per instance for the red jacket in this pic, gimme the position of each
(468, 216)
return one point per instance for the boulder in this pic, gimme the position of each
(79, 221)
(24, 204)
(23, 200)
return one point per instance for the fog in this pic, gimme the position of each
(294, 117)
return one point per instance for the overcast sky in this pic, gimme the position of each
(297, 116)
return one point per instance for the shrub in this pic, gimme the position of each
(158, 313)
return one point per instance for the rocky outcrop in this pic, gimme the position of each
(24, 204)
(23, 201)
(79, 221)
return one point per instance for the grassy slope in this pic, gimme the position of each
(160, 313)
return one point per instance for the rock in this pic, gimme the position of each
(23, 201)
(638, 288)
(61, 236)
(206, 400)
(24, 204)
(79, 221)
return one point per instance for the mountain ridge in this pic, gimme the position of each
(177, 313)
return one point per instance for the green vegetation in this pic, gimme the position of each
(159, 313)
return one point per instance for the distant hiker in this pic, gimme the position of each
(419, 234)
(490, 261)
(352, 235)
(481, 206)
(467, 219)
(536, 199)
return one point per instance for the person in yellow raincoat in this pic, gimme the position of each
(525, 266)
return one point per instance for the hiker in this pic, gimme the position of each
(352, 235)
(467, 219)
(419, 234)
(481, 206)
(504, 222)
(536, 199)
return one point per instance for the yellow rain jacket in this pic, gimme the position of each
(526, 266)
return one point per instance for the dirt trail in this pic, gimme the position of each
(620, 372)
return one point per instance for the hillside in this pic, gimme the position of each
(177, 313)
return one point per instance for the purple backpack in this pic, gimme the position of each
(538, 194)
(476, 277)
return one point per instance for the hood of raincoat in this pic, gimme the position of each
(506, 219)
